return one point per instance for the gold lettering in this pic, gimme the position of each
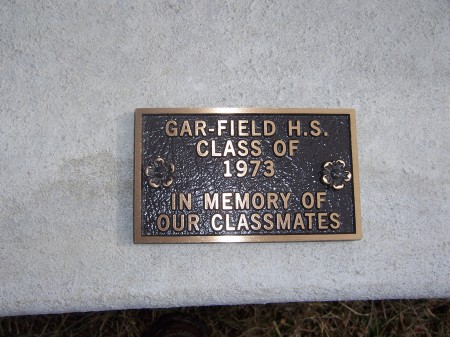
(171, 129)
(211, 202)
(279, 152)
(216, 227)
(310, 217)
(229, 149)
(200, 127)
(242, 127)
(269, 128)
(268, 218)
(321, 217)
(242, 222)
(226, 201)
(285, 198)
(185, 129)
(308, 200)
(242, 202)
(185, 201)
(298, 221)
(256, 148)
(242, 146)
(201, 153)
(193, 220)
(320, 196)
(272, 199)
(174, 202)
(214, 153)
(254, 132)
(163, 222)
(315, 125)
(255, 218)
(335, 223)
(258, 200)
(291, 128)
(284, 223)
(178, 226)
(228, 226)
(221, 126)
(270, 169)
(293, 145)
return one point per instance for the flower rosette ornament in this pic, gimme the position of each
(335, 175)
(160, 173)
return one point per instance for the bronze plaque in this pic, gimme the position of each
(245, 175)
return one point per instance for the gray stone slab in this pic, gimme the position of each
(72, 73)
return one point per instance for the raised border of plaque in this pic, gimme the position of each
(140, 174)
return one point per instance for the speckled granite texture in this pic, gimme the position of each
(72, 73)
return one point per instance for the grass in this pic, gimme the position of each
(358, 318)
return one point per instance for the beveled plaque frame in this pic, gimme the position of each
(137, 211)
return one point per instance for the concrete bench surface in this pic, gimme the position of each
(72, 73)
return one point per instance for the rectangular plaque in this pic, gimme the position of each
(245, 175)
